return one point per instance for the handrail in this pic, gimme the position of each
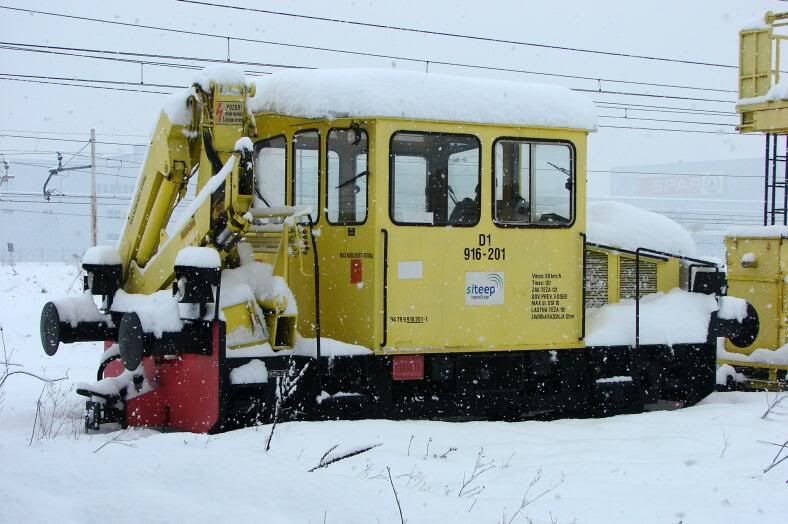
(279, 211)
(621, 250)
(583, 307)
(385, 285)
(317, 300)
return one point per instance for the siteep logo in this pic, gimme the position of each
(484, 288)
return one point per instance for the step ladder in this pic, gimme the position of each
(775, 188)
(275, 234)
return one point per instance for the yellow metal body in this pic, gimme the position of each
(761, 283)
(543, 280)
(759, 71)
(757, 269)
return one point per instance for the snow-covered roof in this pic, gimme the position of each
(629, 227)
(757, 231)
(337, 93)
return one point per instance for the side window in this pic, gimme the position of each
(435, 179)
(270, 166)
(534, 183)
(346, 185)
(306, 169)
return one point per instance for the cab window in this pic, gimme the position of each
(434, 179)
(306, 169)
(270, 163)
(533, 183)
(346, 188)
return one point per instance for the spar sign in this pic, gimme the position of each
(484, 288)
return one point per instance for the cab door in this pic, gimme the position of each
(482, 259)
(435, 212)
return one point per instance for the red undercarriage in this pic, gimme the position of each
(186, 394)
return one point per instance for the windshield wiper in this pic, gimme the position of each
(561, 169)
(351, 180)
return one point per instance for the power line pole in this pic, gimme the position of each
(93, 206)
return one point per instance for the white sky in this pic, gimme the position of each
(695, 30)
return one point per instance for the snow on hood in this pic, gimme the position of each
(629, 227)
(336, 93)
(676, 317)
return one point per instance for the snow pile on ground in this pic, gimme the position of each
(757, 231)
(676, 317)
(336, 93)
(158, 312)
(629, 227)
(700, 465)
(80, 308)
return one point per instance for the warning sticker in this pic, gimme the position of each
(230, 113)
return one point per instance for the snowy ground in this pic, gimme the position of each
(701, 464)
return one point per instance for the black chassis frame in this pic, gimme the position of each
(510, 385)
(503, 385)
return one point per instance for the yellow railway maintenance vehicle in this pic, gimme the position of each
(757, 257)
(397, 244)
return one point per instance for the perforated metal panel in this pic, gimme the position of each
(596, 279)
(626, 275)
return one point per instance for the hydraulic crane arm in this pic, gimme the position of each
(204, 147)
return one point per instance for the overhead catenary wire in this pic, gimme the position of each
(601, 126)
(597, 90)
(32, 47)
(701, 131)
(115, 55)
(67, 132)
(604, 104)
(107, 88)
(625, 117)
(460, 35)
(70, 140)
(9, 210)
